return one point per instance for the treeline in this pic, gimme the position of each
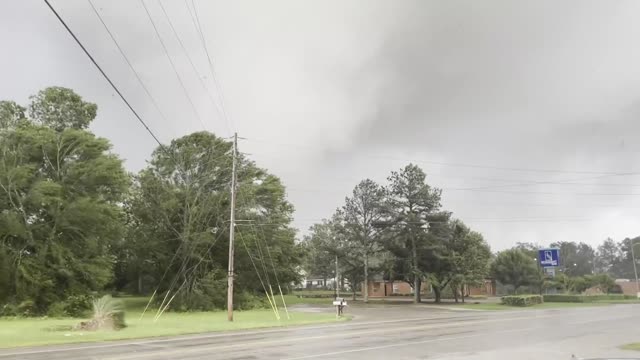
(74, 223)
(398, 231)
(581, 266)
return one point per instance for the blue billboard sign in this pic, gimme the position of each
(549, 257)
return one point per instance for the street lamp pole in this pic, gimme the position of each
(635, 269)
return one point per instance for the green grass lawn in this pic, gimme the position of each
(296, 300)
(632, 346)
(16, 332)
(498, 306)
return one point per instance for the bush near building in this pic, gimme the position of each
(585, 298)
(522, 300)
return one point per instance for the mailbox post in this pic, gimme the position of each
(339, 303)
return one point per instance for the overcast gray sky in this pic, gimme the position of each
(525, 113)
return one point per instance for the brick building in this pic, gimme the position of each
(380, 288)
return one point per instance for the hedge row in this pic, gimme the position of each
(522, 300)
(585, 298)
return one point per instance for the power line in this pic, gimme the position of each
(294, 189)
(571, 182)
(126, 59)
(175, 70)
(186, 53)
(451, 164)
(198, 26)
(103, 73)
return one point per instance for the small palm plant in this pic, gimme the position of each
(108, 313)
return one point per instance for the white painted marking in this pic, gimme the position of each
(245, 345)
(210, 336)
(404, 344)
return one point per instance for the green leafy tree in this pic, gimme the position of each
(362, 213)
(579, 284)
(413, 205)
(609, 257)
(623, 267)
(319, 257)
(604, 282)
(60, 201)
(331, 238)
(471, 258)
(179, 211)
(576, 259)
(11, 115)
(61, 108)
(514, 267)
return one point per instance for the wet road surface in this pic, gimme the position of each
(392, 332)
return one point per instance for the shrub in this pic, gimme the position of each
(56, 310)
(73, 306)
(522, 300)
(585, 298)
(249, 301)
(26, 308)
(9, 310)
(563, 298)
(108, 313)
(77, 305)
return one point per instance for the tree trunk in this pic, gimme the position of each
(366, 279)
(454, 289)
(462, 292)
(355, 289)
(414, 264)
(139, 284)
(436, 291)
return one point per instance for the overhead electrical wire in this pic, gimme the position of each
(173, 65)
(451, 164)
(95, 63)
(193, 66)
(126, 59)
(196, 22)
(515, 192)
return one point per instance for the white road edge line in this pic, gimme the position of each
(218, 347)
(117, 343)
(403, 344)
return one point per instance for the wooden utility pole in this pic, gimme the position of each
(337, 279)
(232, 228)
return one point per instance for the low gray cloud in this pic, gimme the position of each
(328, 93)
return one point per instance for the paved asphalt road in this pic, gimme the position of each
(394, 332)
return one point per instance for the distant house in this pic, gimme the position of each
(318, 283)
(628, 287)
(378, 287)
(487, 288)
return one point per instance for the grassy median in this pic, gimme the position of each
(16, 332)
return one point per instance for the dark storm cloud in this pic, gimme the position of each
(342, 90)
(487, 75)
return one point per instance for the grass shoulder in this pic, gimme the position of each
(631, 346)
(17, 332)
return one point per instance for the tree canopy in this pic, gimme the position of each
(60, 201)
(514, 267)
